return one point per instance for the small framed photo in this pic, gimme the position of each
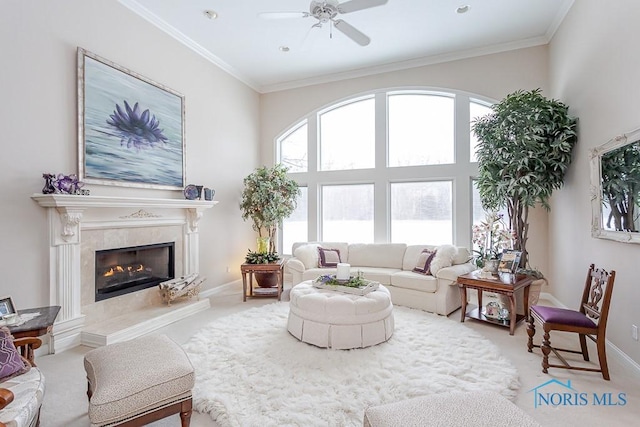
(6, 306)
(509, 261)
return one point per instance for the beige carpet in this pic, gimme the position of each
(240, 357)
(65, 403)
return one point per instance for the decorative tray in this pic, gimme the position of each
(369, 286)
(494, 317)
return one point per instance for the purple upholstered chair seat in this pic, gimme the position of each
(563, 316)
(595, 301)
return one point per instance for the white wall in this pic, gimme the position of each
(491, 76)
(594, 62)
(38, 41)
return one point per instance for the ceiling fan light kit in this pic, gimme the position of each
(327, 11)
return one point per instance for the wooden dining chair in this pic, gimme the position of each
(590, 320)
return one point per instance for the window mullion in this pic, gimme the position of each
(381, 190)
(313, 196)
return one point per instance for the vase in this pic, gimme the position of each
(49, 180)
(263, 245)
(490, 266)
(266, 280)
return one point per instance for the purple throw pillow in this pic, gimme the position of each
(329, 257)
(424, 261)
(11, 363)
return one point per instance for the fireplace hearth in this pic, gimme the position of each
(124, 270)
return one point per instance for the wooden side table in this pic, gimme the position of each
(39, 325)
(251, 269)
(474, 281)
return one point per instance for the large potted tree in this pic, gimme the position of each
(523, 153)
(269, 196)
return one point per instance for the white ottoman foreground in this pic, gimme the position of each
(332, 319)
(481, 408)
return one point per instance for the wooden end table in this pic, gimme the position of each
(251, 269)
(39, 325)
(474, 281)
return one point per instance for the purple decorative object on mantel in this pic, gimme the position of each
(63, 184)
(49, 179)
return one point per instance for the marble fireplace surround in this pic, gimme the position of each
(80, 225)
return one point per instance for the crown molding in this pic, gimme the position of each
(404, 65)
(145, 13)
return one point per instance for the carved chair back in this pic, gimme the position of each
(596, 296)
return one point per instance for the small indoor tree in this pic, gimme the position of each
(269, 196)
(523, 153)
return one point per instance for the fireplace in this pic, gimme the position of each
(124, 270)
(78, 227)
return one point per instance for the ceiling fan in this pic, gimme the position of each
(327, 11)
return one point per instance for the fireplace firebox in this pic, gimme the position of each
(124, 270)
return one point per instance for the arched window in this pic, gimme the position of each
(387, 166)
(421, 129)
(347, 136)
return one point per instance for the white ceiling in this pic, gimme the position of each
(404, 34)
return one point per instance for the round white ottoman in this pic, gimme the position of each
(331, 319)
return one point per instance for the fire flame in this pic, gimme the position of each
(119, 269)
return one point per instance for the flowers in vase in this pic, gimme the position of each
(490, 238)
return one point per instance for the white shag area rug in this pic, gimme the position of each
(251, 372)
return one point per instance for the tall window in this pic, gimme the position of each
(295, 228)
(293, 149)
(476, 109)
(479, 214)
(348, 136)
(421, 212)
(386, 166)
(347, 213)
(421, 129)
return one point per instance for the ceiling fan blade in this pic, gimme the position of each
(354, 5)
(351, 32)
(283, 15)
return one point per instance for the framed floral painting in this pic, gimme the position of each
(131, 129)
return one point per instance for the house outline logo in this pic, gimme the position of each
(569, 396)
(551, 381)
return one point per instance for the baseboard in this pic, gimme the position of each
(556, 302)
(614, 351)
(220, 289)
(65, 335)
(623, 358)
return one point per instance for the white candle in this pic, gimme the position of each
(344, 271)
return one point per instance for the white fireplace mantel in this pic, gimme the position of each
(73, 201)
(69, 214)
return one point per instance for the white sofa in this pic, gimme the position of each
(392, 265)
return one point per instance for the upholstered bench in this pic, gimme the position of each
(135, 382)
(331, 319)
(478, 408)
